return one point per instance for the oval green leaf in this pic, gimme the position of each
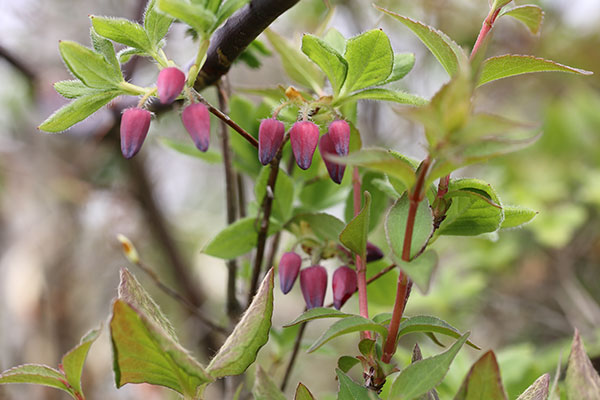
(351, 324)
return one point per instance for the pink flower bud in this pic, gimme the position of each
(170, 83)
(304, 137)
(196, 120)
(270, 136)
(135, 123)
(335, 170)
(289, 266)
(313, 282)
(344, 285)
(374, 253)
(339, 132)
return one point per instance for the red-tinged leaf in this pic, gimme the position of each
(483, 381)
(538, 389)
(583, 382)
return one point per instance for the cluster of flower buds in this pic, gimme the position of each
(135, 121)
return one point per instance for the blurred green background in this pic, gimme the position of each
(64, 198)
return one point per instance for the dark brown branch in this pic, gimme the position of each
(230, 40)
(225, 118)
(290, 366)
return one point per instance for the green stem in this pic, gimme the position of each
(200, 59)
(132, 89)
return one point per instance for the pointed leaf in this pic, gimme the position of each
(420, 270)
(529, 14)
(370, 60)
(538, 390)
(395, 226)
(325, 226)
(73, 88)
(335, 39)
(156, 24)
(298, 67)
(72, 362)
(36, 374)
(193, 14)
(107, 49)
(88, 66)
(428, 323)
(77, 110)
(350, 390)
(483, 381)
(582, 381)
(422, 376)
(403, 63)
(210, 156)
(515, 216)
(123, 31)
(382, 94)
(351, 324)
(354, 235)
(264, 388)
(317, 313)
(249, 336)
(125, 54)
(302, 393)
(345, 363)
(441, 46)
(327, 58)
(511, 64)
(237, 239)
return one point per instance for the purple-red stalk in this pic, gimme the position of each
(486, 27)
(361, 265)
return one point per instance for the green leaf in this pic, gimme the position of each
(395, 226)
(325, 226)
(335, 39)
(297, 66)
(582, 381)
(317, 313)
(383, 161)
(321, 193)
(36, 374)
(347, 325)
(422, 376)
(538, 389)
(428, 323)
(73, 89)
(72, 362)
(483, 381)
(210, 156)
(382, 94)
(106, 48)
(156, 24)
(123, 31)
(250, 334)
(350, 390)
(370, 60)
(193, 14)
(302, 393)
(441, 46)
(77, 110)
(237, 239)
(511, 64)
(420, 269)
(145, 347)
(403, 64)
(354, 235)
(515, 216)
(345, 363)
(88, 66)
(475, 209)
(284, 193)
(125, 54)
(327, 58)
(264, 388)
(529, 14)
(379, 199)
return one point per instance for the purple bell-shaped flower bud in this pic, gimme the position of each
(135, 123)
(339, 132)
(344, 285)
(196, 120)
(374, 253)
(313, 282)
(170, 83)
(270, 136)
(335, 170)
(289, 267)
(304, 137)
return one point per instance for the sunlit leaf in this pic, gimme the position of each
(529, 14)
(327, 58)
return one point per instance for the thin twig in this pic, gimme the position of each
(290, 366)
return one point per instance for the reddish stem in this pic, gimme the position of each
(486, 27)
(415, 197)
(361, 266)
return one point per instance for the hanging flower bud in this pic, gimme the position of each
(339, 132)
(135, 123)
(313, 282)
(374, 253)
(344, 285)
(270, 136)
(289, 266)
(170, 83)
(335, 170)
(196, 120)
(304, 137)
